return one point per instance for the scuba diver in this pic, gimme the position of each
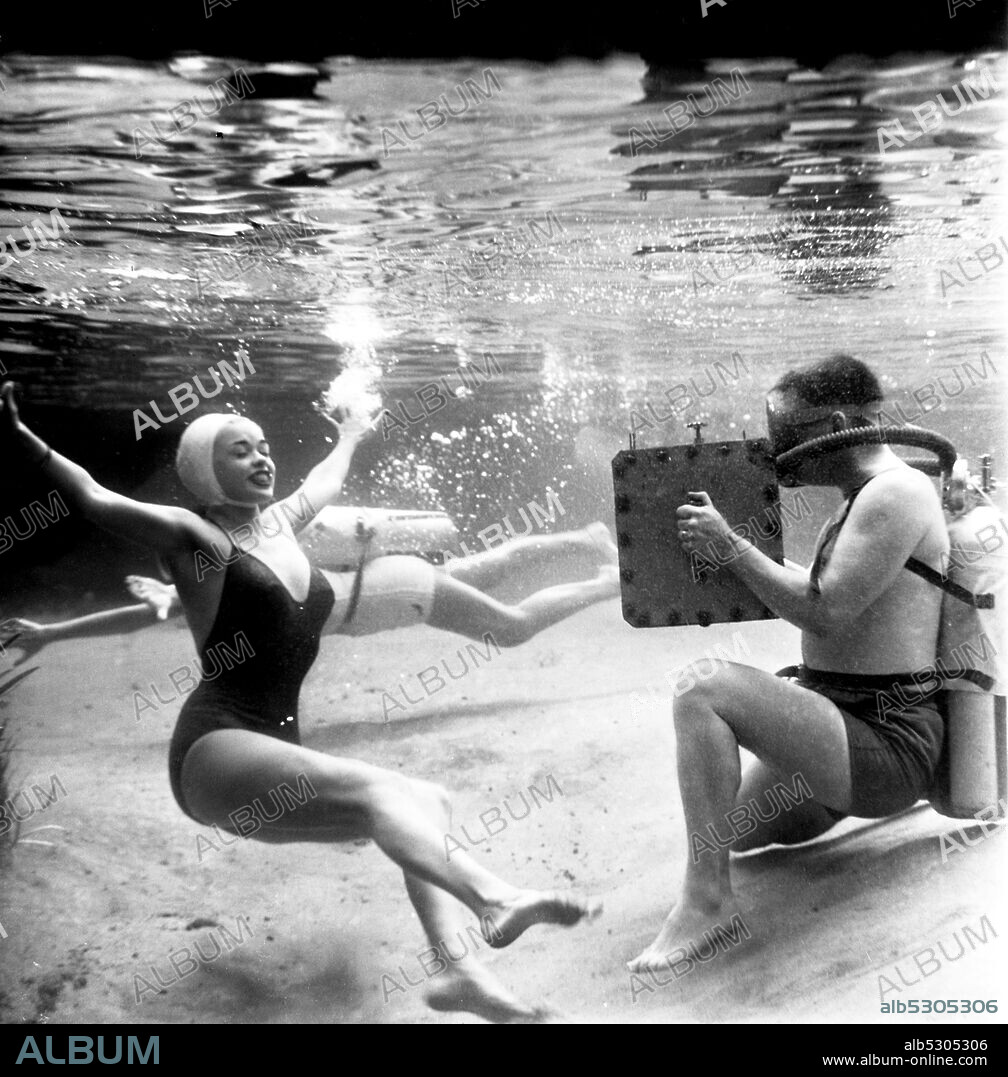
(869, 611)
(236, 738)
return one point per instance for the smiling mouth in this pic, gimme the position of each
(261, 478)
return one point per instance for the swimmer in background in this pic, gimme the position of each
(398, 591)
(237, 738)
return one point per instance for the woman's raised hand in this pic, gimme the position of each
(352, 426)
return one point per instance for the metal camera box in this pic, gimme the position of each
(661, 584)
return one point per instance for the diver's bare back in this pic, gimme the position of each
(897, 632)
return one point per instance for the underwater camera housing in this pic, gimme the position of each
(660, 583)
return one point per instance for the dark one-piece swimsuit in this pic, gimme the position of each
(895, 730)
(255, 691)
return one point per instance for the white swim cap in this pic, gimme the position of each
(194, 459)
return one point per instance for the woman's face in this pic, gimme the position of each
(242, 463)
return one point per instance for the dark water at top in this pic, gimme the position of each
(772, 228)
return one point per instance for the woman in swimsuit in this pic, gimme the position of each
(237, 737)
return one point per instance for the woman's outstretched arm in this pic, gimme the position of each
(325, 480)
(161, 528)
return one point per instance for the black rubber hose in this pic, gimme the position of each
(915, 436)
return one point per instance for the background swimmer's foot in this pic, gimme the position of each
(502, 924)
(156, 594)
(608, 579)
(473, 989)
(602, 540)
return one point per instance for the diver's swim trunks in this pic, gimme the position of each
(895, 737)
(396, 591)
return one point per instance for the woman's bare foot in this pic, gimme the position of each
(504, 922)
(470, 988)
(603, 543)
(686, 928)
(157, 595)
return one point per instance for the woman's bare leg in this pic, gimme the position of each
(464, 984)
(234, 771)
(460, 608)
(485, 571)
(792, 729)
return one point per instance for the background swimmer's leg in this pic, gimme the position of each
(252, 784)
(492, 568)
(457, 607)
(802, 822)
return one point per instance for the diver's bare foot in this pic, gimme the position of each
(681, 934)
(503, 923)
(473, 989)
(603, 543)
(157, 595)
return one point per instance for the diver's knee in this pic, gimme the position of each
(691, 703)
(697, 688)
